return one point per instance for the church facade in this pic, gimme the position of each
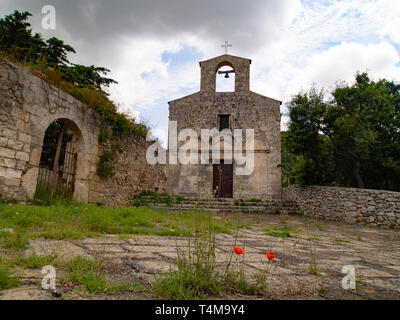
(228, 111)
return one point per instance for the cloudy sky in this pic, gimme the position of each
(153, 46)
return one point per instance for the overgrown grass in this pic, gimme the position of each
(314, 266)
(199, 276)
(10, 264)
(86, 275)
(69, 220)
(86, 272)
(14, 241)
(242, 203)
(281, 232)
(33, 261)
(131, 286)
(195, 277)
(342, 240)
(148, 197)
(81, 274)
(7, 279)
(314, 239)
(255, 200)
(318, 225)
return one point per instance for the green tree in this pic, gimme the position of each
(50, 58)
(56, 52)
(89, 77)
(17, 39)
(307, 155)
(351, 140)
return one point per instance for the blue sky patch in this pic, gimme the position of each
(186, 55)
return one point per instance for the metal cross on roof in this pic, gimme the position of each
(226, 46)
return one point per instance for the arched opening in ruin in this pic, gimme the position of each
(59, 160)
(225, 78)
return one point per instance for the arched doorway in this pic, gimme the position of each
(58, 160)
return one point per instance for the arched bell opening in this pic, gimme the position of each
(225, 78)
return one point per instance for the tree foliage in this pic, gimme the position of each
(56, 52)
(50, 58)
(353, 139)
(84, 76)
(18, 41)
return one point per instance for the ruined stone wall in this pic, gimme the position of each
(28, 105)
(374, 207)
(132, 173)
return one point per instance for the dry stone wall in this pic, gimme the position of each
(374, 207)
(28, 105)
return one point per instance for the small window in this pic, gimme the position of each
(223, 122)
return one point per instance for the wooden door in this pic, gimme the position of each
(223, 180)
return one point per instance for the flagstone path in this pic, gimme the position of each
(375, 252)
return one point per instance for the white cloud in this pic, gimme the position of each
(324, 69)
(145, 80)
(328, 42)
(292, 43)
(391, 23)
(162, 135)
(342, 61)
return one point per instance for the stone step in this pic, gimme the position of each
(229, 210)
(226, 202)
(252, 209)
(242, 204)
(223, 205)
(218, 206)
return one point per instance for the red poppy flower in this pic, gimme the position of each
(270, 255)
(238, 250)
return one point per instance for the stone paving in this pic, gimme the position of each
(374, 251)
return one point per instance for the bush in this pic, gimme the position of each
(104, 166)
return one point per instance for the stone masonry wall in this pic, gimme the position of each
(28, 105)
(132, 174)
(374, 207)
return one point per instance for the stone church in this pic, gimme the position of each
(240, 109)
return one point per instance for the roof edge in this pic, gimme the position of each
(224, 55)
(276, 100)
